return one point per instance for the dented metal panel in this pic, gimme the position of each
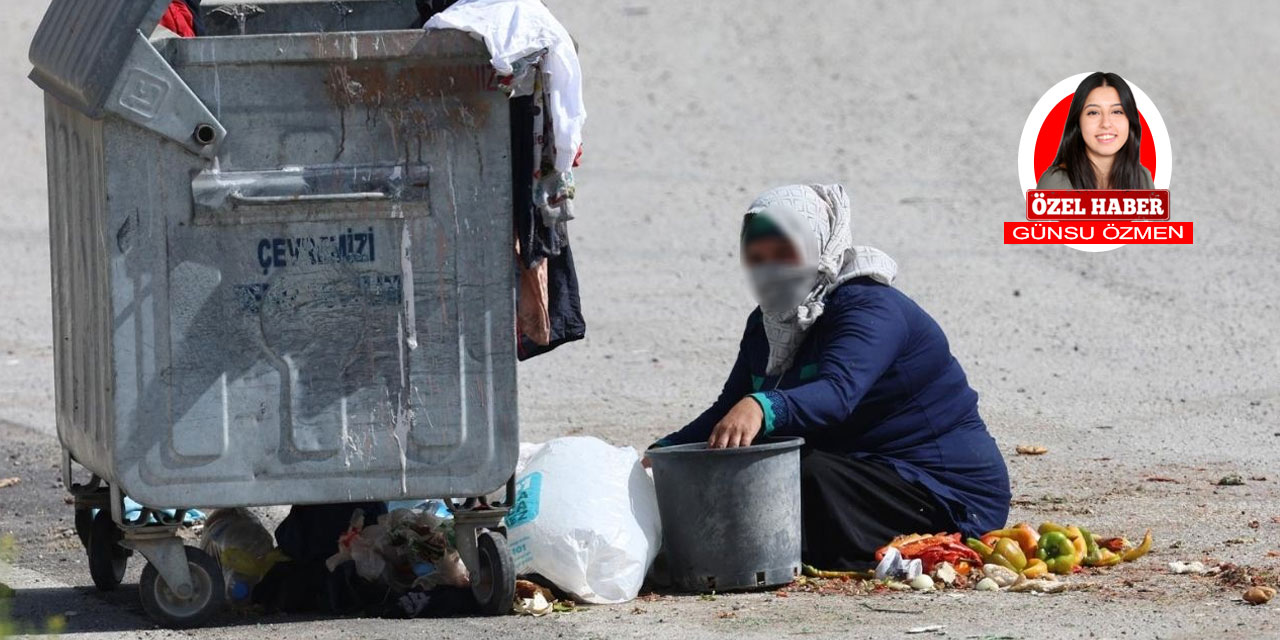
(323, 311)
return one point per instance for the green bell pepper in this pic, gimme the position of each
(1058, 553)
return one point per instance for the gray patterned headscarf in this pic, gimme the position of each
(817, 219)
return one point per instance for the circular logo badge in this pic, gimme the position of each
(1042, 134)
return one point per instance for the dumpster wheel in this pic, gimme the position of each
(107, 559)
(84, 525)
(494, 581)
(176, 612)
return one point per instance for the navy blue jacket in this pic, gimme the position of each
(875, 379)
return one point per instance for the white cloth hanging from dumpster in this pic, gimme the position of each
(515, 29)
(585, 518)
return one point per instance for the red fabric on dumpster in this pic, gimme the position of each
(179, 19)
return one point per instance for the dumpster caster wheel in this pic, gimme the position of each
(107, 559)
(84, 525)
(173, 611)
(494, 581)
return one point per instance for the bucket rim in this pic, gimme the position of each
(766, 445)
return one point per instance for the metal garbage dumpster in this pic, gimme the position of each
(282, 274)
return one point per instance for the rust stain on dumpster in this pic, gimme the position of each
(413, 98)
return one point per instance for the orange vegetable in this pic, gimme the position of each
(1035, 568)
(1022, 533)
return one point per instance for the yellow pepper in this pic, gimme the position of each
(1046, 527)
(1108, 558)
(1081, 548)
(1035, 568)
(1022, 533)
(1008, 549)
(1140, 550)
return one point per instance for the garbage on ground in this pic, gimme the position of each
(1194, 568)
(932, 549)
(946, 573)
(405, 550)
(585, 518)
(1259, 595)
(1031, 450)
(1054, 548)
(1230, 480)
(5, 483)
(894, 566)
(814, 572)
(1039, 585)
(1001, 575)
(403, 565)
(922, 583)
(1018, 559)
(243, 547)
(933, 628)
(533, 599)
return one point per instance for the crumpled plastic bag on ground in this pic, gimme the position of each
(585, 518)
(243, 548)
(406, 549)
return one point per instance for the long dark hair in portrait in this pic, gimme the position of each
(1126, 172)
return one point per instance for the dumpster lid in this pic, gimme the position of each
(82, 45)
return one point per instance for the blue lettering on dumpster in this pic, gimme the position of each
(349, 246)
(373, 290)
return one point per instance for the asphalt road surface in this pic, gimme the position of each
(1149, 372)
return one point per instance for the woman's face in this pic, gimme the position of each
(1103, 123)
(770, 250)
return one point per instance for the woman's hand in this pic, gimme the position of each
(738, 427)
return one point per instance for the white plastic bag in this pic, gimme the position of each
(586, 518)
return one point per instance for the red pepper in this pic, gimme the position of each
(932, 550)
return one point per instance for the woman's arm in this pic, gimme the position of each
(867, 336)
(735, 388)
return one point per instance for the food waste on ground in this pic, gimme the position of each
(1020, 558)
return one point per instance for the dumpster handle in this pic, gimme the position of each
(258, 201)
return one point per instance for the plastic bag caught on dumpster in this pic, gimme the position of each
(585, 518)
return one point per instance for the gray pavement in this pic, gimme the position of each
(1141, 362)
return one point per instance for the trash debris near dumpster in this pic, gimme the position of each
(405, 550)
(585, 518)
(243, 547)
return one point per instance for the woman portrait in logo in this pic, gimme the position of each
(1100, 142)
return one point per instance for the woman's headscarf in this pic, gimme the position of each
(817, 220)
